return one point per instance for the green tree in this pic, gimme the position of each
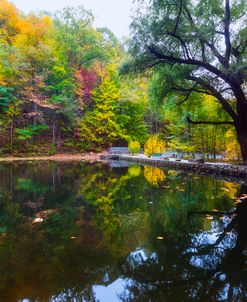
(196, 47)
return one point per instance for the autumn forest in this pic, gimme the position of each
(64, 88)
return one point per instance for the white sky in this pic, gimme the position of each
(114, 14)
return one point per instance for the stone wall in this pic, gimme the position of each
(231, 172)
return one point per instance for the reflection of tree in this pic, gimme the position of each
(154, 175)
(134, 171)
(238, 223)
(192, 266)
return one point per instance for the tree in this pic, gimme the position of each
(197, 47)
(99, 127)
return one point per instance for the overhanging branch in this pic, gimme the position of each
(224, 103)
(172, 59)
(208, 122)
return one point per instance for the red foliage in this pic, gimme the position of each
(87, 80)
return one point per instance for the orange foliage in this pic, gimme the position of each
(10, 20)
(18, 30)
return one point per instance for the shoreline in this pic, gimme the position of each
(227, 171)
(63, 157)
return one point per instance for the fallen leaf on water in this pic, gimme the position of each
(38, 220)
(225, 189)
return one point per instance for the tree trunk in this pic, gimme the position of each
(214, 143)
(242, 140)
(241, 123)
(59, 138)
(53, 129)
(11, 133)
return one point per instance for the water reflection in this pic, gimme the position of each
(88, 232)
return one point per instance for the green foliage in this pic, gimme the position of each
(6, 96)
(134, 147)
(26, 134)
(28, 185)
(52, 150)
(73, 25)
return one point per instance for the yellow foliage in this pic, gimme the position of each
(232, 147)
(9, 20)
(154, 175)
(47, 21)
(33, 30)
(2, 81)
(154, 145)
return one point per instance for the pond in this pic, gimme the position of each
(91, 232)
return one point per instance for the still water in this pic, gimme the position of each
(89, 232)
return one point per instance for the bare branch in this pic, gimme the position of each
(227, 33)
(178, 18)
(186, 98)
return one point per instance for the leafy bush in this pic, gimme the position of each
(26, 134)
(134, 147)
(52, 150)
(154, 145)
(29, 132)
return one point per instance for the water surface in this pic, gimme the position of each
(89, 232)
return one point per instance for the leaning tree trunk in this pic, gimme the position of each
(241, 123)
(242, 140)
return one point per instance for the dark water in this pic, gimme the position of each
(88, 232)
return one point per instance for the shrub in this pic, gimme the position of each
(52, 150)
(154, 145)
(28, 133)
(134, 147)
